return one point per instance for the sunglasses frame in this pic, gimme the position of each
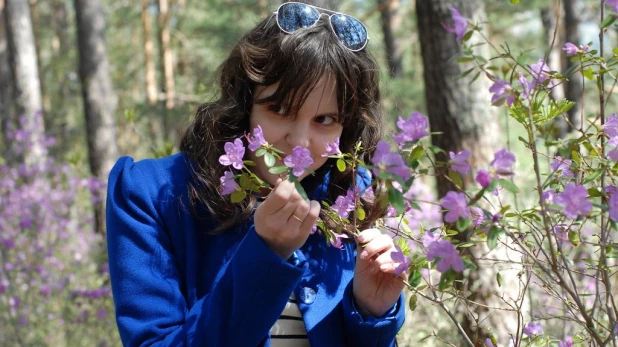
(330, 21)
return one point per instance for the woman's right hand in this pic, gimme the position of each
(284, 220)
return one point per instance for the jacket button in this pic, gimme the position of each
(307, 295)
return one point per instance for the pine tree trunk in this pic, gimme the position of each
(574, 87)
(462, 113)
(5, 80)
(166, 53)
(391, 21)
(151, 76)
(25, 75)
(98, 95)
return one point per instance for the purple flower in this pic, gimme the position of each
(228, 184)
(345, 204)
(338, 241)
(429, 238)
(332, 148)
(613, 3)
(567, 342)
(613, 206)
(610, 128)
(368, 195)
(525, 93)
(459, 24)
(257, 140)
(533, 329)
(548, 196)
(488, 343)
(413, 128)
(574, 200)
(447, 254)
(483, 178)
(612, 155)
(503, 162)
(299, 160)
(562, 166)
(570, 49)
(456, 205)
(502, 91)
(458, 162)
(401, 258)
(234, 152)
(477, 217)
(390, 162)
(540, 73)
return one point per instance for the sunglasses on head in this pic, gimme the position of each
(292, 16)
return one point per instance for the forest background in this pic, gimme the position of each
(83, 82)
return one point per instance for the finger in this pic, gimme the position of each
(278, 198)
(300, 213)
(311, 217)
(367, 235)
(286, 211)
(378, 245)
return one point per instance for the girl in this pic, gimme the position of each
(189, 267)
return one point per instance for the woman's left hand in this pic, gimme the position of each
(376, 288)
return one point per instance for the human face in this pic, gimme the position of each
(311, 126)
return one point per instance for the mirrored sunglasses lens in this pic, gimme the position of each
(294, 16)
(350, 31)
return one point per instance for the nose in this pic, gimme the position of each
(298, 134)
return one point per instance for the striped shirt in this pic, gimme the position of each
(289, 330)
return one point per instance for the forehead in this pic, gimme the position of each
(323, 92)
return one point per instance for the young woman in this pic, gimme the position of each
(189, 267)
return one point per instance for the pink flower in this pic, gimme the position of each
(540, 73)
(503, 162)
(299, 160)
(338, 241)
(257, 140)
(567, 342)
(234, 152)
(477, 217)
(613, 4)
(228, 184)
(613, 206)
(456, 205)
(483, 178)
(612, 155)
(533, 329)
(413, 128)
(525, 93)
(458, 162)
(447, 256)
(574, 200)
(332, 148)
(502, 91)
(429, 238)
(388, 161)
(459, 24)
(562, 166)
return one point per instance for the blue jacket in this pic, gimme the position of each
(174, 284)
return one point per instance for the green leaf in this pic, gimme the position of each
(576, 157)
(463, 224)
(499, 279)
(573, 238)
(596, 174)
(607, 21)
(260, 152)
(412, 302)
(508, 185)
(248, 163)
(415, 278)
(416, 153)
(454, 176)
(238, 196)
(245, 181)
(588, 73)
(514, 2)
(269, 159)
(446, 279)
(360, 213)
(465, 59)
(276, 170)
(395, 197)
(341, 165)
(492, 237)
(301, 190)
(594, 192)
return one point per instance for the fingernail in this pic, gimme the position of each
(385, 267)
(364, 255)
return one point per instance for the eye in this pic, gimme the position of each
(278, 109)
(325, 120)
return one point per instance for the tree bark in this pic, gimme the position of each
(391, 21)
(98, 95)
(461, 111)
(327, 4)
(25, 75)
(166, 53)
(574, 88)
(151, 76)
(5, 80)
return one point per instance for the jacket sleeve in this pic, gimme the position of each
(369, 330)
(151, 308)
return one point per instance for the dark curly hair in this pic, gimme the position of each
(297, 61)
